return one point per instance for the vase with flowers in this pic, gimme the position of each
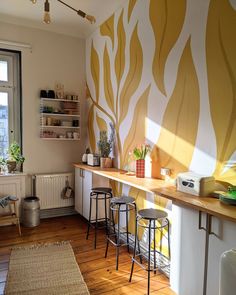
(140, 154)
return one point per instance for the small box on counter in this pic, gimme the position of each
(195, 184)
(93, 160)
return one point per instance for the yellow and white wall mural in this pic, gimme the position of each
(164, 72)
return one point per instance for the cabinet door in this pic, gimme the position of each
(187, 252)
(87, 185)
(225, 241)
(78, 191)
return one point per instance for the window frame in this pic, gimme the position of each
(14, 89)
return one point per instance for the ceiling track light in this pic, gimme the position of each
(47, 18)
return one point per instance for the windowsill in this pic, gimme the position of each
(13, 174)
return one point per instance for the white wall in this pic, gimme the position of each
(54, 58)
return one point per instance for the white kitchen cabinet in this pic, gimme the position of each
(188, 251)
(84, 181)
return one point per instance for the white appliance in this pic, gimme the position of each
(93, 160)
(228, 272)
(195, 184)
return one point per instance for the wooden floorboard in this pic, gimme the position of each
(99, 273)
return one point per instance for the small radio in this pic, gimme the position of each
(93, 160)
(195, 184)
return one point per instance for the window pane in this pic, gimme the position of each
(4, 136)
(3, 71)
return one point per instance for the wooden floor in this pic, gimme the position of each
(99, 273)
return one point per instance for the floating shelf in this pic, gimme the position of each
(56, 138)
(56, 99)
(62, 127)
(58, 115)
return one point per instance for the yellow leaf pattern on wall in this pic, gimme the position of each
(137, 131)
(167, 18)
(94, 63)
(140, 200)
(120, 53)
(131, 7)
(134, 75)
(107, 80)
(107, 29)
(91, 133)
(221, 67)
(180, 123)
(102, 125)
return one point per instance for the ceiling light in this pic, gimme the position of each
(47, 18)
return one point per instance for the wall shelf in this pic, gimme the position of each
(57, 138)
(57, 99)
(59, 119)
(62, 127)
(58, 115)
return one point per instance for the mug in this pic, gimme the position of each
(69, 134)
(75, 135)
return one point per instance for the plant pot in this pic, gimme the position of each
(11, 165)
(140, 168)
(105, 162)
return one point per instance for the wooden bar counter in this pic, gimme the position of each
(166, 190)
(202, 229)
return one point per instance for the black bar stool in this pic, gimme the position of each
(97, 194)
(153, 216)
(115, 206)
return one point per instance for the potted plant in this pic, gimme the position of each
(140, 154)
(105, 147)
(3, 165)
(15, 158)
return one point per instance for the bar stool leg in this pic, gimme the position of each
(135, 242)
(154, 234)
(106, 214)
(108, 234)
(127, 228)
(114, 225)
(149, 257)
(118, 240)
(90, 210)
(136, 236)
(161, 237)
(168, 228)
(96, 223)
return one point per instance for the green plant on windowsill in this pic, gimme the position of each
(15, 159)
(3, 165)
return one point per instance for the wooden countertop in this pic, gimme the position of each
(160, 187)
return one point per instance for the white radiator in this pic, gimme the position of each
(48, 189)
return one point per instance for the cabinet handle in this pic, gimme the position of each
(208, 227)
(81, 173)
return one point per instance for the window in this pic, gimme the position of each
(10, 102)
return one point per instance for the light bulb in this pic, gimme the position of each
(47, 18)
(33, 1)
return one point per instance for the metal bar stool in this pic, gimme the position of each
(115, 206)
(97, 194)
(153, 216)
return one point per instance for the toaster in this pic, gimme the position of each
(93, 160)
(195, 184)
